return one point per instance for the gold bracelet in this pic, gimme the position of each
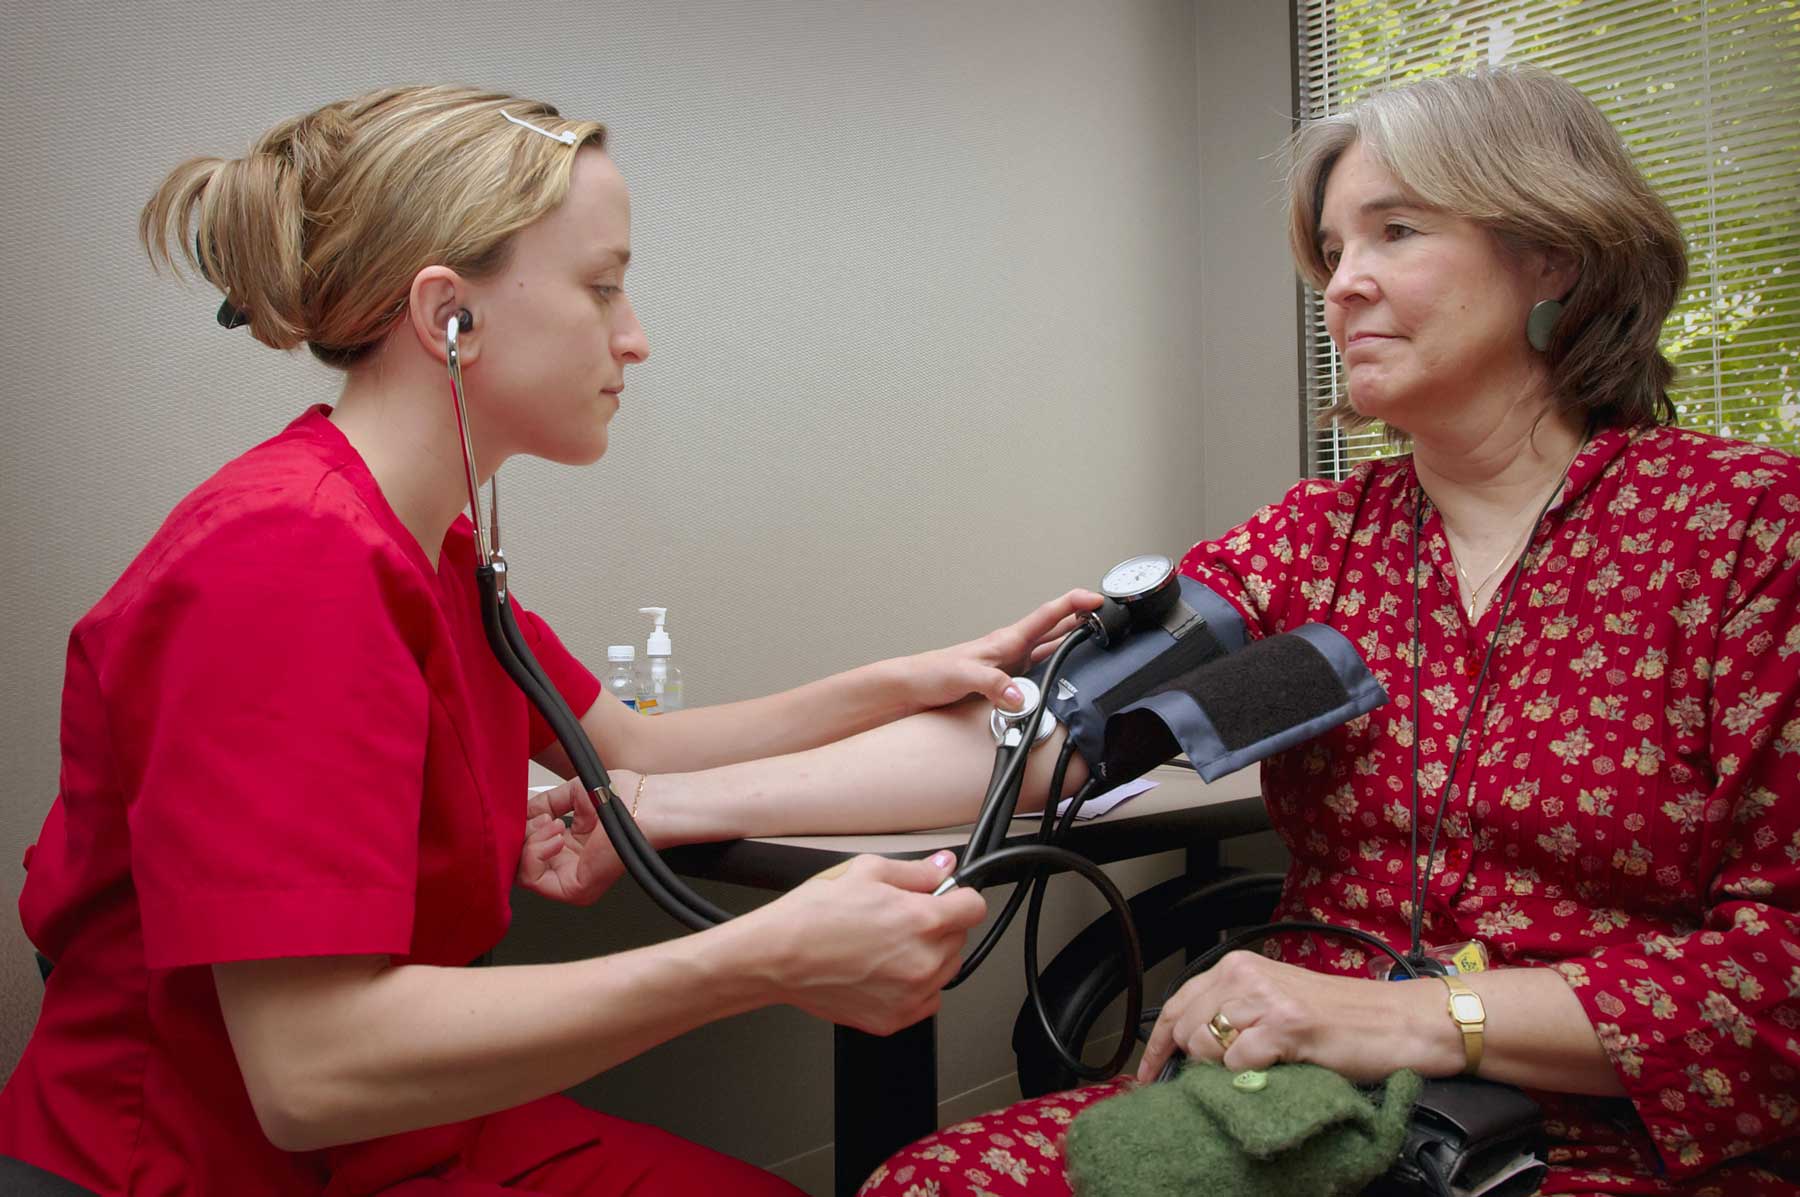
(639, 796)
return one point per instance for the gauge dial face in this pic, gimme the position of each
(1138, 576)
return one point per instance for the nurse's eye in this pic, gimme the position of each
(608, 291)
(1396, 232)
(1332, 257)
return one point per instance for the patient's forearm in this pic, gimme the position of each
(1538, 1035)
(928, 770)
(792, 721)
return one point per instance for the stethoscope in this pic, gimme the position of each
(514, 655)
(1136, 593)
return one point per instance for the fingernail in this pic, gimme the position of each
(1013, 695)
(942, 860)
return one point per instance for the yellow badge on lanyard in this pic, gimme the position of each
(1470, 957)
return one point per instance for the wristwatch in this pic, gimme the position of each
(1470, 1017)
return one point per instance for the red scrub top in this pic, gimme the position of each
(283, 734)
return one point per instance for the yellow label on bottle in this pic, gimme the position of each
(646, 706)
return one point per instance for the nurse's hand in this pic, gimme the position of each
(577, 863)
(870, 948)
(986, 665)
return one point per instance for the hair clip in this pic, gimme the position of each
(565, 137)
(231, 315)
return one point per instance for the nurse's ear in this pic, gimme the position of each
(439, 294)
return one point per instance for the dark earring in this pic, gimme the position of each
(464, 320)
(1542, 322)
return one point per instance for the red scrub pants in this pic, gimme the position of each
(610, 1157)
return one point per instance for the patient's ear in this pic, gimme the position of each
(1560, 271)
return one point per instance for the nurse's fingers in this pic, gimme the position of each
(543, 844)
(556, 801)
(1053, 638)
(587, 817)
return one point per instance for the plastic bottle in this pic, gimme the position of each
(658, 681)
(621, 674)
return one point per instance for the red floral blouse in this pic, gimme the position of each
(1627, 811)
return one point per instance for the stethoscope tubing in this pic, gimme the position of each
(1048, 831)
(1002, 797)
(640, 859)
(516, 658)
(986, 859)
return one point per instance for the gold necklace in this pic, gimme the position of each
(1476, 606)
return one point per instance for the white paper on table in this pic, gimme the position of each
(1519, 1164)
(1093, 808)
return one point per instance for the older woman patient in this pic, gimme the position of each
(1589, 622)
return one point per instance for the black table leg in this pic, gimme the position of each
(1202, 866)
(1202, 860)
(884, 1097)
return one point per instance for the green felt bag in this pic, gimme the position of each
(1292, 1128)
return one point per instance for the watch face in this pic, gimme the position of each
(1140, 575)
(1467, 1007)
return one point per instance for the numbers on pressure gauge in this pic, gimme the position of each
(1136, 577)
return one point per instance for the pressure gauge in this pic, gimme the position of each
(1134, 580)
(1141, 592)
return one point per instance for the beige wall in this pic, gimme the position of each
(952, 303)
(1249, 305)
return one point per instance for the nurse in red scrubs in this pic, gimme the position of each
(290, 804)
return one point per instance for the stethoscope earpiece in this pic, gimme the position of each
(458, 324)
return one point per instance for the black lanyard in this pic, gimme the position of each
(1416, 953)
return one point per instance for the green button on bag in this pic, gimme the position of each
(1250, 1081)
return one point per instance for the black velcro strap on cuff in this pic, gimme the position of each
(1276, 683)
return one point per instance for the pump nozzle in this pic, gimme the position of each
(658, 644)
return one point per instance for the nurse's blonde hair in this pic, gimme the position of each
(1525, 155)
(315, 234)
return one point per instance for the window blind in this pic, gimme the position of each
(1705, 93)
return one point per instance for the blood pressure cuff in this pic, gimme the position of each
(1205, 690)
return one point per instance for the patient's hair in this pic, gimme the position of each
(1522, 153)
(317, 232)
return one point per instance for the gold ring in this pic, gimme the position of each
(1223, 1033)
